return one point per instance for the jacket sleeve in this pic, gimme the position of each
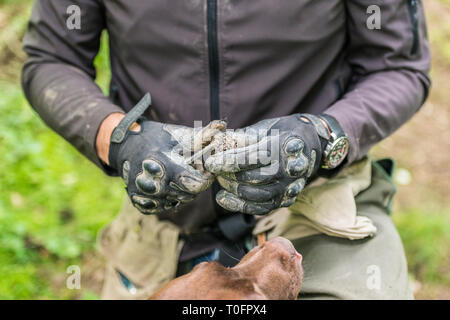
(390, 69)
(58, 76)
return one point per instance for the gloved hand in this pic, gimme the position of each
(154, 162)
(265, 166)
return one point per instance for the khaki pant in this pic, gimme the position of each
(146, 251)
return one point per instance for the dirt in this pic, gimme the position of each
(427, 292)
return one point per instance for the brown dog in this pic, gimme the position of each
(272, 270)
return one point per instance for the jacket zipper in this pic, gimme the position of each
(213, 55)
(414, 15)
(213, 59)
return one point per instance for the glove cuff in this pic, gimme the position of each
(121, 132)
(321, 130)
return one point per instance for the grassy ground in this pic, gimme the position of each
(422, 151)
(53, 201)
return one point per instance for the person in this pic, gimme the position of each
(321, 74)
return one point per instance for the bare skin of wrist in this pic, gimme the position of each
(324, 123)
(104, 134)
(326, 126)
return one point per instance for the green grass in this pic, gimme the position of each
(426, 237)
(52, 201)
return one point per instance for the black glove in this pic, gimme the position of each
(265, 166)
(154, 162)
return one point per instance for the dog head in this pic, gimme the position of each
(271, 270)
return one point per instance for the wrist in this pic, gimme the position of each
(103, 140)
(105, 130)
(326, 126)
(337, 147)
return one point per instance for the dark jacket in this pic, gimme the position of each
(231, 59)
